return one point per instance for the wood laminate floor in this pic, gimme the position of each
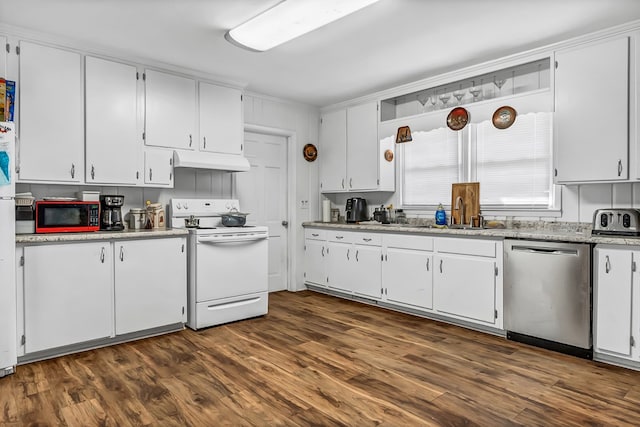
(319, 360)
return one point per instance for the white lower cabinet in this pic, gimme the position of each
(616, 300)
(149, 284)
(467, 280)
(407, 270)
(354, 263)
(457, 278)
(77, 292)
(315, 251)
(67, 294)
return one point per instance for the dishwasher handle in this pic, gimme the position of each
(542, 250)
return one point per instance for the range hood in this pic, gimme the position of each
(215, 161)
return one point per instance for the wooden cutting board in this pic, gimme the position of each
(470, 193)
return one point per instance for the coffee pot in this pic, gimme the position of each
(111, 212)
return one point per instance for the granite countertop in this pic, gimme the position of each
(557, 232)
(100, 235)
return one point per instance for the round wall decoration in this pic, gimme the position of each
(504, 117)
(310, 152)
(457, 118)
(388, 155)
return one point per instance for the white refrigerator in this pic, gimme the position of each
(8, 340)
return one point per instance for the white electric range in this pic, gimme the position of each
(227, 266)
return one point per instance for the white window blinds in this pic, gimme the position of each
(513, 165)
(431, 165)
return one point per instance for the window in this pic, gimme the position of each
(513, 166)
(430, 167)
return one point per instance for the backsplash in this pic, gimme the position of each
(579, 202)
(188, 183)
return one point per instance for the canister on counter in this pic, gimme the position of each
(137, 218)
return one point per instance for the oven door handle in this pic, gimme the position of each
(230, 239)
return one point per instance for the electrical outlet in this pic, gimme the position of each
(304, 204)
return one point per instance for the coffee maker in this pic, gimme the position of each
(111, 213)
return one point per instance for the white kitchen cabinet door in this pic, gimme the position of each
(51, 132)
(112, 144)
(465, 287)
(591, 112)
(158, 167)
(613, 301)
(170, 110)
(362, 147)
(150, 284)
(407, 277)
(314, 262)
(3, 60)
(366, 270)
(333, 151)
(339, 266)
(221, 128)
(67, 294)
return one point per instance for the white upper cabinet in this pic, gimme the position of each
(3, 57)
(158, 167)
(170, 110)
(362, 146)
(112, 144)
(592, 108)
(333, 149)
(51, 126)
(351, 155)
(221, 127)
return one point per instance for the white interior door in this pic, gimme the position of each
(262, 192)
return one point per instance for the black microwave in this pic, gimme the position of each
(67, 216)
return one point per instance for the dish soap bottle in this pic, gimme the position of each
(441, 215)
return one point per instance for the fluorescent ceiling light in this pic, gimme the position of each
(290, 19)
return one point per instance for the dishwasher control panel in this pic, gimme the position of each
(623, 222)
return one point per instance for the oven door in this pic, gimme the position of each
(230, 266)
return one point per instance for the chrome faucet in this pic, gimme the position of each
(459, 206)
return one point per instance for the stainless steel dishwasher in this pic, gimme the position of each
(547, 295)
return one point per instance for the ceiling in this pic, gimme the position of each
(389, 43)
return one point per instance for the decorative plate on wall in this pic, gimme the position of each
(388, 155)
(310, 152)
(458, 118)
(504, 117)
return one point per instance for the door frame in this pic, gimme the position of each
(291, 140)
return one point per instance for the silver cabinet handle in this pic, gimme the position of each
(357, 256)
(323, 251)
(204, 139)
(440, 266)
(348, 254)
(190, 140)
(607, 264)
(150, 174)
(342, 182)
(427, 264)
(93, 172)
(285, 223)
(315, 234)
(121, 253)
(73, 170)
(350, 182)
(366, 240)
(339, 237)
(620, 167)
(102, 256)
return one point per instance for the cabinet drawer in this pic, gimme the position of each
(340, 236)
(315, 234)
(409, 242)
(371, 239)
(467, 246)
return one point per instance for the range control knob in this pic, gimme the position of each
(604, 220)
(626, 220)
(178, 206)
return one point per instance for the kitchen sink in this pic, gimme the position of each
(465, 227)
